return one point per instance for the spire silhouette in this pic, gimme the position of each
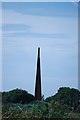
(38, 79)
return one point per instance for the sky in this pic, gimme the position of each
(0, 48)
(51, 26)
(40, 0)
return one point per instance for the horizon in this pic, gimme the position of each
(42, 95)
(51, 26)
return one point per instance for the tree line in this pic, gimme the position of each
(65, 95)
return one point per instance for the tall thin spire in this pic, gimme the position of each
(38, 79)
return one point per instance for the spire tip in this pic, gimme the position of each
(38, 52)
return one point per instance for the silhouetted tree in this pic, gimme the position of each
(67, 96)
(17, 96)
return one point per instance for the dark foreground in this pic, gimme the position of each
(19, 105)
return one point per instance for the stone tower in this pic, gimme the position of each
(38, 79)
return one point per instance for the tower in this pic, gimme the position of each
(38, 79)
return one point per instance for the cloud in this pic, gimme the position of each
(35, 35)
(44, 9)
(28, 45)
(48, 32)
(58, 39)
(15, 27)
(40, 24)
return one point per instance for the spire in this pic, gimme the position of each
(39, 52)
(38, 79)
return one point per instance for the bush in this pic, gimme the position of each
(17, 96)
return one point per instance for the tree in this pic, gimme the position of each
(67, 96)
(17, 96)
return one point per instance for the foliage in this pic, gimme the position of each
(11, 110)
(64, 104)
(67, 96)
(17, 96)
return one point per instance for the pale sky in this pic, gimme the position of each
(51, 26)
(40, 0)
